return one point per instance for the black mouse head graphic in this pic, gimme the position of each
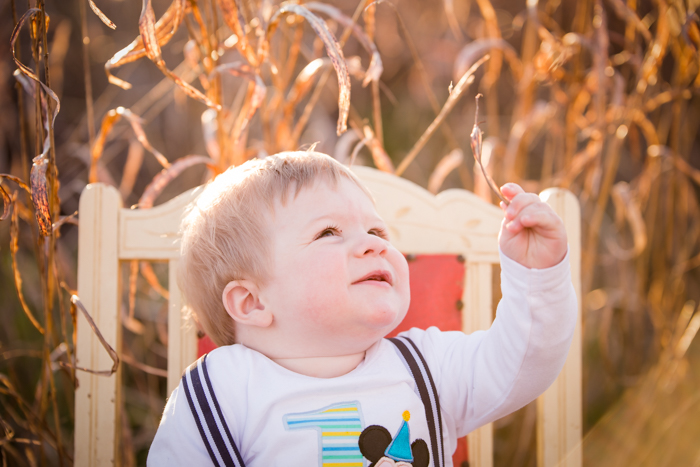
(377, 445)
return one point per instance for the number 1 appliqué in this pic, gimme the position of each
(339, 427)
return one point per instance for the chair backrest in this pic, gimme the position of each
(455, 222)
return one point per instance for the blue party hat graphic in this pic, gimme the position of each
(400, 447)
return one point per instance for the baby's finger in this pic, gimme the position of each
(540, 216)
(519, 202)
(511, 190)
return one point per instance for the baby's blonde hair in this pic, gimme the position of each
(225, 234)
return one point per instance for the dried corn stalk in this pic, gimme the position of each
(6, 203)
(40, 194)
(454, 96)
(112, 117)
(476, 143)
(151, 45)
(167, 175)
(335, 53)
(375, 68)
(101, 15)
(14, 248)
(446, 165)
(163, 31)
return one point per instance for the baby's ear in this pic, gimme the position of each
(242, 302)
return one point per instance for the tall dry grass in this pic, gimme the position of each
(596, 96)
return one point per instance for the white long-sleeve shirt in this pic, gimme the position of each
(281, 418)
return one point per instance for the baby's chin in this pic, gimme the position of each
(385, 319)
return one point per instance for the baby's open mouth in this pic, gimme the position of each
(378, 276)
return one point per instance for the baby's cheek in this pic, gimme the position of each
(402, 277)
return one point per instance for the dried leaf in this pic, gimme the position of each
(356, 150)
(478, 48)
(30, 89)
(40, 194)
(375, 68)
(454, 96)
(258, 94)
(379, 155)
(192, 54)
(354, 65)
(628, 206)
(162, 324)
(342, 150)
(300, 88)
(112, 117)
(101, 15)
(147, 28)
(476, 144)
(688, 336)
(333, 49)
(626, 13)
(66, 220)
(134, 160)
(135, 122)
(536, 120)
(76, 303)
(489, 148)
(166, 26)
(150, 276)
(452, 19)
(302, 83)
(25, 69)
(234, 20)
(6, 202)
(446, 165)
(151, 370)
(210, 126)
(30, 13)
(131, 323)
(167, 175)
(686, 168)
(14, 247)
(656, 50)
(579, 162)
(17, 180)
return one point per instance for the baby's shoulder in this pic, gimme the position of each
(230, 365)
(433, 339)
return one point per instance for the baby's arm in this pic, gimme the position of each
(488, 374)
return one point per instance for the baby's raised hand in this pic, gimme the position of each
(531, 233)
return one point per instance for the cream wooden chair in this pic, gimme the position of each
(454, 222)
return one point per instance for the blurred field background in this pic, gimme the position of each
(598, 96)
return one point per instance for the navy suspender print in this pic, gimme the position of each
(428, 394)
(207, 413)
(216, 434)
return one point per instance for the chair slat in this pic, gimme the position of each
(97, 397)
(478, 315)
(182, 335)
(559, 420)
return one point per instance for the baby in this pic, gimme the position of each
(290, 270)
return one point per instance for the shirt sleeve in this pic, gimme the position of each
(177, 441)
(488, 374)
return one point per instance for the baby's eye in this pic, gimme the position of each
(328, 232)
(379, 232)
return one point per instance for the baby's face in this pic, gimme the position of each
(337, 284)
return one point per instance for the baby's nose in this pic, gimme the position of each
(372, 245)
